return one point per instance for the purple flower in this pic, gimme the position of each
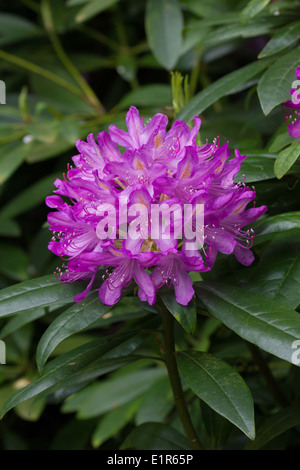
(128, 210)
(293, 105)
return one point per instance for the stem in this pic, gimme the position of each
(40, 71)
(70, 67)
(266, 373)
(170, 360)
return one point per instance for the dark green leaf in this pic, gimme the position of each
(281, 40)
(73, 320)
(164, 25)
(99, 398)
(185, 315)
(286, 158)
(252, 9)
(264, 322)
(93, 8)
(275, 84)
(155, 436)
(220, 386)
(221, 87)
(277, 424)
(277, 276)
(35, 293)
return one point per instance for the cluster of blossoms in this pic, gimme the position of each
(158, 166)
(293, 105)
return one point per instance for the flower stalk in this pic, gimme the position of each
(170, 360)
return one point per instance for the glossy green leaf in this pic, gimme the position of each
(257, 167)
(286, 158)
(281, 40)
(73, 320)
(148, 95)
(277, 275)
(64, 367)
(156, 404)
(220, 386)
(30, 197)
(185, 315)
(155, 436)
(99, 398)
(20, 320)
(220, 88)
(93, 8)
(164, 25)
(35, 293)
(277, 424)
(275, 84)
(113, 422)
(270, 325)
(252, 9)
(15, 28)
(268, 227)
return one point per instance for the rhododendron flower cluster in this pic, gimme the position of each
(148, 165)
(293, 117)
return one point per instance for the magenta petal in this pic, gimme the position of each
(184, 288)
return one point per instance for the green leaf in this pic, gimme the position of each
(281, 40)
(13, 262)
(277, 275)
(264, 322)
(257, 167)
(20, 320)
(93, 8)
(206, 9)
(65, 367)
(35, 293)
(14, 28)
(156, 404)
(10, 160)
(185, 315)
(286, 158)
(100, 397)
(267, 228)
(30, 197)
(220, 386)
(277, 424)
(252, 9)
(9, 228)
(73, 320)
(148, 95)
(164, 23)
(31, 410)
(155, 436)
(113, 422)
(275, 84)
(220, 88)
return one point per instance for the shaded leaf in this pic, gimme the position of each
(220, 386)
(270, 325)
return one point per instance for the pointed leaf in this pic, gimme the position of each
(220, 386)
(73, 320)
(164, 24)
(155, 436)
(275, 84)
(185, 315)
(264, 322)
